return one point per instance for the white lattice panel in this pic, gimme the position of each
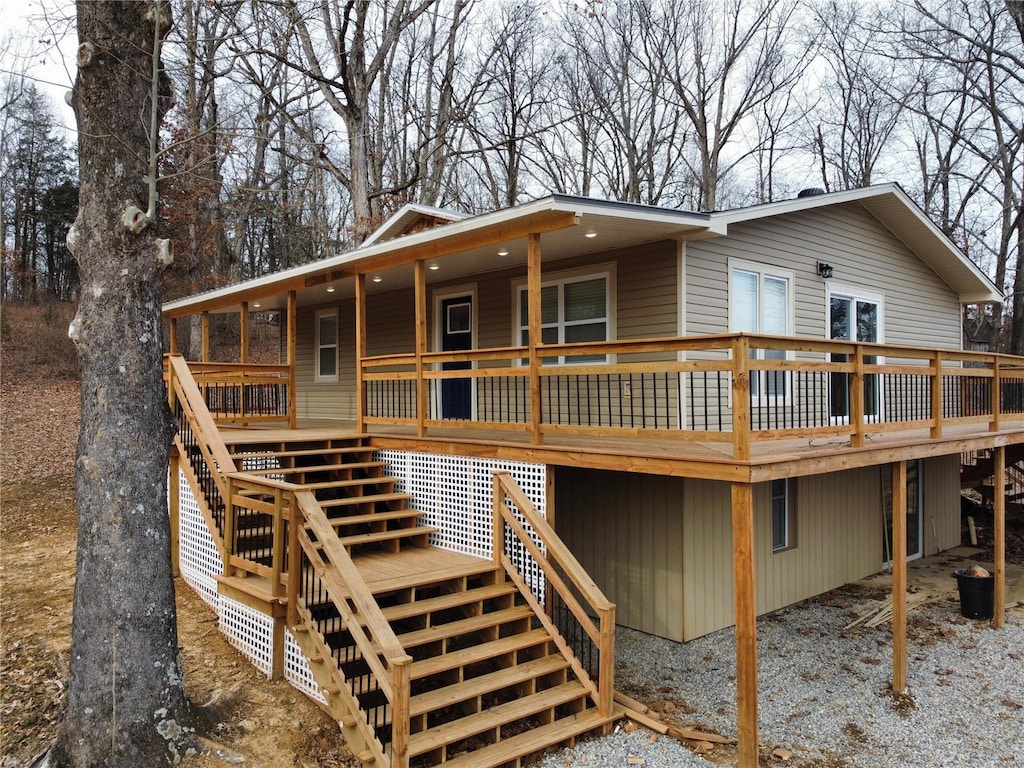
(454, 495)
(250, 631)
(198, 558)
(296, 669)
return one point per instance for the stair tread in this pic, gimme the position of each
(395, 496)
(529, 741)
(397, 533)
(457, 730)
(492, 681)
(316, 468)
(407, 580)
(349, 483)
(274, 454)
(450, 600)
(369, 517)
(476, 653)
(463, 626)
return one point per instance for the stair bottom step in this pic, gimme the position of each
(535, 740)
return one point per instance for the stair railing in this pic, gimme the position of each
(572, 598)
(320, 567)
(206, 459)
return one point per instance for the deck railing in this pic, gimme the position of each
(732, 388)
(244, 392)
(572, 598)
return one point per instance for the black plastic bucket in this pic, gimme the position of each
(977, 595)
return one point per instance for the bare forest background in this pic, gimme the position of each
(298, 126)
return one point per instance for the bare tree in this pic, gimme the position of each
(126, 698)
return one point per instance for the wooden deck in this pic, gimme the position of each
(770, 459)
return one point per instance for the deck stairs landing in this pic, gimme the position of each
(490, 685)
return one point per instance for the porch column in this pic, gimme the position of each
(205, 357)
(360, 352)
(290, 335)
(997, 392)
(422, 393)
(533, 303)
(243, 333)
(899, 577)
(745, 608)
(172, 336)
(999, 532)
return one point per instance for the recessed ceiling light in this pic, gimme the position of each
(435, 266)
(377, 278)
(257, 305)
(330, 289)
(591, 234)
(503, 252)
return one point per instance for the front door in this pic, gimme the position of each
(456, 319)
(852, 318)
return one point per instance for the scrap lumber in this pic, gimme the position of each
(882, 613)
(650, 720)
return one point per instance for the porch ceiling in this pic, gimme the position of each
(570, 227)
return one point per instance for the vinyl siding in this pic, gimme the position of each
(661, 547)
(919, 308)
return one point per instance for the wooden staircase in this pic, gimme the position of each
(489, 679)
(977, 473)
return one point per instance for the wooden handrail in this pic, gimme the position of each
(603, 633)
(203, 426)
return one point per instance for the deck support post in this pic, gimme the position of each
(899, 577)
(533, 303)
(205, 353)
(360, 352)
(999, 532)
(745, 606)
(421, 347)
(291, 324)
(741, 398)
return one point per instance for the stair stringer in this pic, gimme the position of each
(341, 703)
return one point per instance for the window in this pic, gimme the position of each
(327, 345)
(782, 537)
(575, 309)
(854, 317)
(759, 302)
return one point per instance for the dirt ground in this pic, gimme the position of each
(268, 723)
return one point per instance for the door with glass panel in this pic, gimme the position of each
(457, 336)
(853, 318)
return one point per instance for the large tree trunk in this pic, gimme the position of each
(126, 697)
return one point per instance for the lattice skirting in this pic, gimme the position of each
(453, 493)
(248, 630)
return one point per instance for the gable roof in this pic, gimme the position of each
(897, 212)
(470, 245)
(400, 222)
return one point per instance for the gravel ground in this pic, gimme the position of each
(824, 692)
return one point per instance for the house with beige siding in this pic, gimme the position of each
(665, 420)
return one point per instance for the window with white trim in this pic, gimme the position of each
(782, 515)
(760, 301)
(327, 345)
(573, 309)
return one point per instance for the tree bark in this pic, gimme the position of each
(126, 697)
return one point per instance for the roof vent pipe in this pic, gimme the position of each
(810, 192)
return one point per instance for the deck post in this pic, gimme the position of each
(745, 605)
(401, 680)
(741, 398)
(421, 346)
(172, 335)
(295, 521)
(205, 349)
(243, 333)
(533, 300)
(360, 352)
(999, 532)
(292, 324)
(229, 525)
(936, 430)
(498, 528)
(857, 399)
(899, 577)
(997, 391)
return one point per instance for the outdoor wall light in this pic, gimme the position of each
(825, 270)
